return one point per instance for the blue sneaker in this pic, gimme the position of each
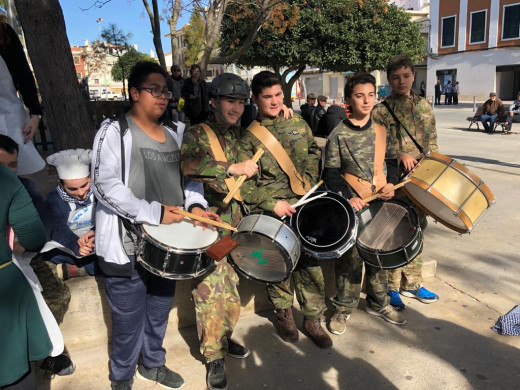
(395, 300)
(421, 294)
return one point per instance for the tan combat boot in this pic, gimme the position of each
(286, 325)
(317, 333)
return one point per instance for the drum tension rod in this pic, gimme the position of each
(439, 175)
(456, 212)
(253, 227)
(166, 264)
(378, 260)
(278, 231)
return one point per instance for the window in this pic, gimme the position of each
(448, 31)
(76, 60)
(511, 22)
(478, 27)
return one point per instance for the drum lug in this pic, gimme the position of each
(406, 254)
(378, 260)
(166, 263)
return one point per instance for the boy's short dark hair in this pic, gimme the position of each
(264, 79)
(362, 78)
(398, 62)
(8, 144)
(140, 72)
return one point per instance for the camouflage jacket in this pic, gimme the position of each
(264, 190)
(416, 114)
(198, 162)
(351, 149)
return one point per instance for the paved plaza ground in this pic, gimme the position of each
(446, 345)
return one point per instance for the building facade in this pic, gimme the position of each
(477, 43)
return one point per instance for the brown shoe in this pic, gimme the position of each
(286, 325)
(317, 333)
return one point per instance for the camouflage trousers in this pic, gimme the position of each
(309, 286)
(217, 308)
(55, 292)
(408, 277)
(349, 271)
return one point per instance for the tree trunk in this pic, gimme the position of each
(287, 85)
(176, 9)
(49, 49)
(213, 19)
(155, 21)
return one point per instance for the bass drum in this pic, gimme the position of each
(449, 192)
(176, 251)
(268, 250)
(389, 234)
(327, 226)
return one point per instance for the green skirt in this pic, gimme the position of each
(23, 336)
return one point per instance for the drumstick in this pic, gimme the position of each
(242, 178)
(302, 202)
(204, 219)
(399, 185)
(313, 189)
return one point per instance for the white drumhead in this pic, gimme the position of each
(182, 235)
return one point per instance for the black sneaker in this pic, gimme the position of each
(122, 385)
(216, 378)
(58, 365)
(162, 375)
(237, 351)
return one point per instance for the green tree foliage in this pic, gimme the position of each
(194, 38)
(127, 61)
(116, 44)
(340, 35)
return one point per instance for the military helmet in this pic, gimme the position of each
(229, 84)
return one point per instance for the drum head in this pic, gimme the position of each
(182, 235)
(385, 227)
(325, 223)
(260, 258)
(435, 207)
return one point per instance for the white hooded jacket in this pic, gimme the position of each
(115, 198)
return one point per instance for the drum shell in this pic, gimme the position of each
(397, 257)
(449, 192)
(263, 228)
(341, 241)
(172, 264)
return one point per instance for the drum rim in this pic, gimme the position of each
(156, 272)
(409, 208)
(294, 263)
(419, 251)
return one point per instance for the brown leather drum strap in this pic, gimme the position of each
(219, 155)
(299, 184)
(363, 187)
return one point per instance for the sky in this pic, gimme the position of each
(128, 15)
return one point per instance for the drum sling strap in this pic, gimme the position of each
(399, 124)
(219, 155)
(363, 187)
(299, 184)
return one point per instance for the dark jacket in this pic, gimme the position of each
(198, 107)
(333, 116)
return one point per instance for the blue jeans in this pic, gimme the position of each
(140, 307)
(491, 119)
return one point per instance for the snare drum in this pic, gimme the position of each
(389, 234)
(449, 192)
(176, 251)
(327, 226)
(267, 251)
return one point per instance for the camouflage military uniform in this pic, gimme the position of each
(416, 114)
(217, 303)
(262, 192)
(352, 150)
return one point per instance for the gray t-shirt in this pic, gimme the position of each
(155, 173)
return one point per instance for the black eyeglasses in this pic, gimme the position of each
(157, 92)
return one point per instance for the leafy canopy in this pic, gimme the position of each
(339, 35)
(127, 61)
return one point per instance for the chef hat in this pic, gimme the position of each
(71, 163)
